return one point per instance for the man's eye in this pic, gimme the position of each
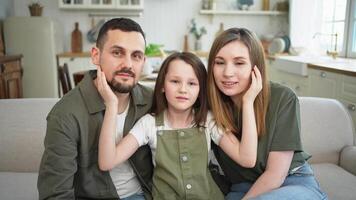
(116, 53)
(138, 56)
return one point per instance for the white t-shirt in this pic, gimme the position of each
(123, 176)
(145, 132)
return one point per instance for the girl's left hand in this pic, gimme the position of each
(255, 86)
(104, 89)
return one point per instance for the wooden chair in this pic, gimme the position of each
(63, 76)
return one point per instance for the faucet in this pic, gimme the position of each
(332, 53)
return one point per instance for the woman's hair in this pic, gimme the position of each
(222, 106)
(200, 107)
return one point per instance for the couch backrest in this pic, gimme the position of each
(326, 127)
(22, 131)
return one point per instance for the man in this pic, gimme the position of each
(69, 167)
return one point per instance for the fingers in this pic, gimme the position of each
(258, 77)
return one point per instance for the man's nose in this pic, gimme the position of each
(127, 61)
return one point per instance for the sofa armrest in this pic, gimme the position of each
(348, 159)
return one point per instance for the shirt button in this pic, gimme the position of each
(188, 186)
(181, 133)
(184, 158)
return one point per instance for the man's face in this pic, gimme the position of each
(121, 59)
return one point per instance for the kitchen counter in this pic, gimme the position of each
(339, 65)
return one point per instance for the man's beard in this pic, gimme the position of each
(121, 87)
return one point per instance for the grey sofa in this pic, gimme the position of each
(327, 133)
(22, 130)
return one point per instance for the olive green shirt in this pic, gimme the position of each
(69, 167)
(282, 134)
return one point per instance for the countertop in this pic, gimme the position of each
(339, 65)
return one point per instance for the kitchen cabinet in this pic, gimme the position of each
(324, 83)
(101, 4)
(10, 77)
(347, 94)
(298, 83)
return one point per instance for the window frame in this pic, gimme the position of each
(349, 28)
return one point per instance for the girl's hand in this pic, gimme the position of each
(255, 86)
(104, 89)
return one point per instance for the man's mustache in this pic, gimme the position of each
(125, 70)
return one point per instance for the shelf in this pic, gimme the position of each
(240, 12)
(97, 5)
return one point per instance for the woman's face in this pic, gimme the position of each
(232, 69)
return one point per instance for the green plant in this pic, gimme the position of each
(197, 32)
(153, 50)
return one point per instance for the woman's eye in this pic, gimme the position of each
(219, 62)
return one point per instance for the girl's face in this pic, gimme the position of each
(232, 69)
(181, 86)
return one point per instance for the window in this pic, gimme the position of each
(330, 25)
(351, 39)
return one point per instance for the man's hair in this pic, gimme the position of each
(123, 24)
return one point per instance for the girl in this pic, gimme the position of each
(281, 171)
(178, 131)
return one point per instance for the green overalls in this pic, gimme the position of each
(181, 170)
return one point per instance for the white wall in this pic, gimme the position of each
(165, 21)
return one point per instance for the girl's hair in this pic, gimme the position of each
(200, 107)
(222, 106)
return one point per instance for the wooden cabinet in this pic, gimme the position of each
(10, 77)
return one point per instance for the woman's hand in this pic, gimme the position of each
(104, 89)
(255, 86)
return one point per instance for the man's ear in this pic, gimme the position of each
(95, 56)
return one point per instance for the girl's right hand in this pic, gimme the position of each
(104, 89)
(255, 86)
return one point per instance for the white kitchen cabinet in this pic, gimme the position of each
(324, 83)
(298, 83)
(101, 4)
(347, 94)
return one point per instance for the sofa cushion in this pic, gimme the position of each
(335, 181)
(23, 127)
(18, 186)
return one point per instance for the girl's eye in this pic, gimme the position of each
(192, 83)
(174, 81)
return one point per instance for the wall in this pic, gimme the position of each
(165, 21)
(6, 8)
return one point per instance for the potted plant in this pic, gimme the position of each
(197, 33)
(35, 9)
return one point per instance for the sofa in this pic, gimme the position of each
(327, 133)
(22, 131)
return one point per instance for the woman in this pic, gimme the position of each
(281, 170)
